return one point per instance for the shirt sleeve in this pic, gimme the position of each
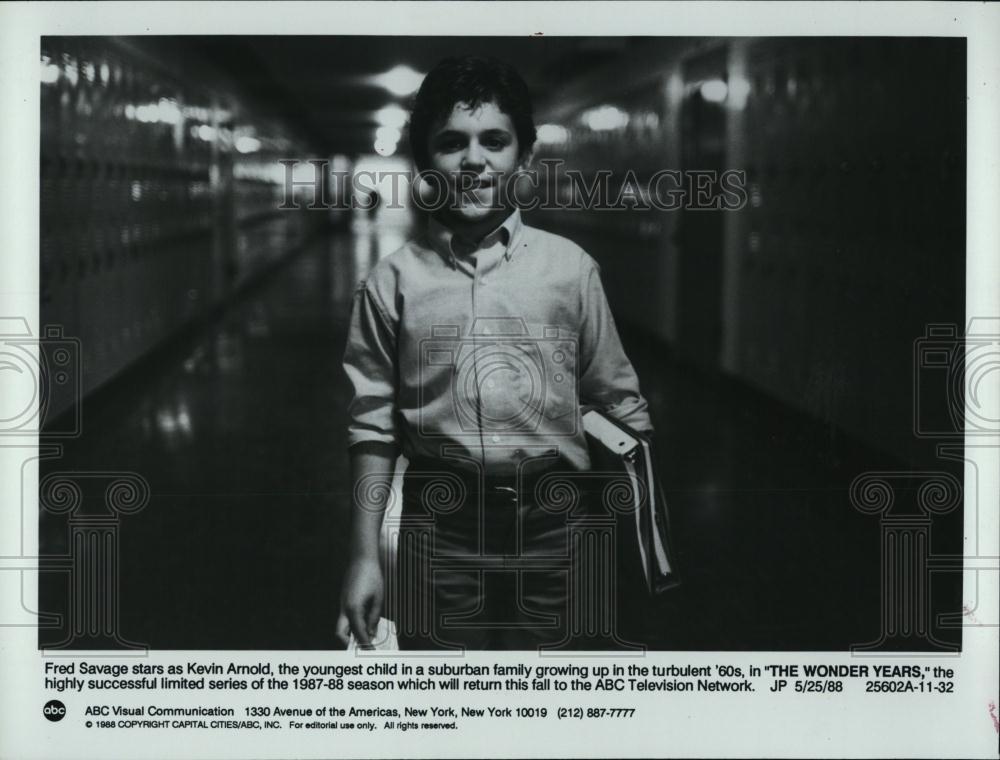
(370, 364)
(607, 378)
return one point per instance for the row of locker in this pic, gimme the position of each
(124, 310)
(146, 221)
(875, 189)
(104, 218)
(139, 205)
(852, 238)
(98, 102)
(848, 272)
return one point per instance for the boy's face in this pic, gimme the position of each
(477, 150)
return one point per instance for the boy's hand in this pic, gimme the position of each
(361, 602)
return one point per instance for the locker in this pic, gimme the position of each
(854, 234)
(132, 229)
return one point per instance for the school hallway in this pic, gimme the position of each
(193, 475)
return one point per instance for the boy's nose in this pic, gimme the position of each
(474, 157)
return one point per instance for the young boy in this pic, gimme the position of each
(471, 350)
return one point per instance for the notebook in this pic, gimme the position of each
(617, 448)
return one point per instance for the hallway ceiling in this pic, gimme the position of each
(323, 83)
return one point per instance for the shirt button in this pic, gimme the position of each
(483, 281)
(495, 439)
(486, 331)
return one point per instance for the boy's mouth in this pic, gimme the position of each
(467, 182)
(477, 192)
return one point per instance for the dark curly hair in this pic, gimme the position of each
(474, 81)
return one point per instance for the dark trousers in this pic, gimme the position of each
(485, 564)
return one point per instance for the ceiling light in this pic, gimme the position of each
(604, 118)
(50, 72)
(400, 80)
(247, 144)
(387, 134)
(714, 90)
(552, 134)
(385, 147)
(392, 116)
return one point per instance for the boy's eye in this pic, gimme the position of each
(450, 144)
(453, 143)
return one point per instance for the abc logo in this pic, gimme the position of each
(54, 710)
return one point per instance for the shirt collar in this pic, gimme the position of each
(508, 232)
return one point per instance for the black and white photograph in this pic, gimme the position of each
(744, 249)
(546, 347)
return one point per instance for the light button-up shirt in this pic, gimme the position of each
(483, 353)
